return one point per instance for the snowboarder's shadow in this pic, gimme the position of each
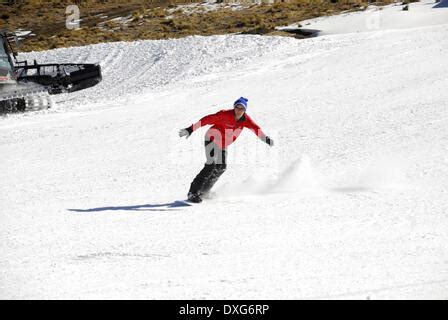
(143, 207)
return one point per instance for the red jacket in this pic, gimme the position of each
(225, 128)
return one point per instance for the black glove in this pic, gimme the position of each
(186, 132)
(269, 141)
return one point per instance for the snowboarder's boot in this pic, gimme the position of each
(195, 198)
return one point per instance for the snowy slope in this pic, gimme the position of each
(133, 68)
(350, 203)
(419, 14)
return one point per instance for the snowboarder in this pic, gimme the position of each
(226, 127)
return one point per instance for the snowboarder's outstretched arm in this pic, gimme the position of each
(208, 119)
(255, 128)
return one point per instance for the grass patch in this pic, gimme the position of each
(157, 20)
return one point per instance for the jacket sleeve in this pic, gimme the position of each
(209, 119)
(255, 128)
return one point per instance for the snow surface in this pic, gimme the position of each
(423, 13)
(351, 202)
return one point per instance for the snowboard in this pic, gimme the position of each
(188, 203)
(182, 203)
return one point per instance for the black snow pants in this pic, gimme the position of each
(213, 169)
